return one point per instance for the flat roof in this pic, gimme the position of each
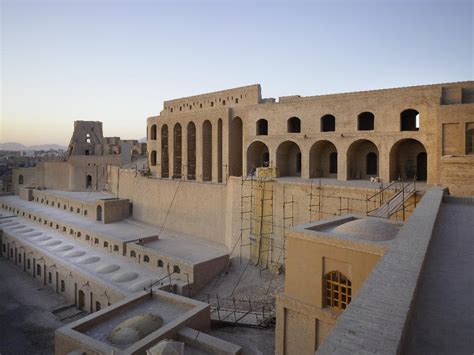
(83, 196)
(112, 270)
(442, 320)
(187, 248)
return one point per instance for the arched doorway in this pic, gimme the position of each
(88, 181)
(99, 213)
(408, 159)
(81, 300)
(235, 147)
(165, 172)
(257, 156)
(177, 160)
(288, 159)
(191, 151)
(323, 160)
(362, 160)
(422, 166)
(219, 150)
(207, 151)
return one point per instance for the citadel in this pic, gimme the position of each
(333, 224)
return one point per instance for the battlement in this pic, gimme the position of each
(241, 96)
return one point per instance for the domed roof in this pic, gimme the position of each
(368, 229)
(133, 329)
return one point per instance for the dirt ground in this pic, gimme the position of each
(25, 313)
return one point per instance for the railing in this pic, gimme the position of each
(395, 203)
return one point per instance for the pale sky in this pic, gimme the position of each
(117, 61)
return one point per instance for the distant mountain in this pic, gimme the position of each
(18, 146)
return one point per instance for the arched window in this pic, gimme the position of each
(294, 125)
(153, 158)
(153, 132)
(371, 164)
(106, 244)
(338, 290)
(328, 123)
(146, 258)
(176, 269)
(160, 263)
(262, 127)
(410, 120)
(20, 179)
(133, 254)
(365, 121)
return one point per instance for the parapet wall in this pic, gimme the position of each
(382, 307)
(242, 96)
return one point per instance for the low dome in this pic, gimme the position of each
(63, 248)
(34, 234)
(26, 230)
(368, 229)
(106, 269)
(74, 253)
(124, 276)
(89, 260)
(50, 243)
(43, 238)
(134, 329)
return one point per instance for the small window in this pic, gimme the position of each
(212, 104)
(410, 120)
(63, 286)
(116, 248)
(223, 102)
(365, 121)
(328, 123)
(4, 248)
(338, 290)
(160, 263)
(50, 277)
(97, 306)
(85, 212)
(78, 210)
(176, 269)
(236, 101)
(19, 258)
(146, 258)
(133, 254)
(28, 263)
(20, 179)
(262, 127)
(38, 269)
(78, 234)
(88, 237)
(106, 244)
(64, 229)
(96, 241)
(294, 125)
(71, 231)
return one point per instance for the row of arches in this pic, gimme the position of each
(409, 121)
(191, 145)
(408, 158)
